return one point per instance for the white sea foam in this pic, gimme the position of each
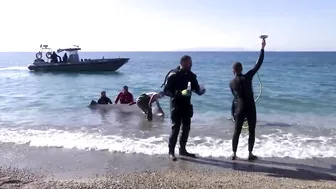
(274, 145)
(15, 68)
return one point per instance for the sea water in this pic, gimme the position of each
(296, 111)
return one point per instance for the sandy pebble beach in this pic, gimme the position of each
(46, 168)
(20, 178)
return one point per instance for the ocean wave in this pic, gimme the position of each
(279, 144)
(14, 68)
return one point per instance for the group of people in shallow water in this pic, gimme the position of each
(180, 83)
(144, 101)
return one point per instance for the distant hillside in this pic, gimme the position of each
(214, 49)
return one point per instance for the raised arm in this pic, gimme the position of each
(260, 60)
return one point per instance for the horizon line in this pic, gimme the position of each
(187, 51)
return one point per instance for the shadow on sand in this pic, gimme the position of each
(271, 168)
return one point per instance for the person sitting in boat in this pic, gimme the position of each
(54, 57)
(65, 57)
(125, 97)
(104, 99)
(146, 100)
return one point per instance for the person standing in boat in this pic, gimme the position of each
(125, 97)
(65, 58)
(54, 57)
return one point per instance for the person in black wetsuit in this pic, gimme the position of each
(182, 109)
(244, 105)
(54, 57)
(104, 99)
(65, 58)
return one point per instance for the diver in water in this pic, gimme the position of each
(146, 100)
(104, 99)
(244, 105)
(180, 83)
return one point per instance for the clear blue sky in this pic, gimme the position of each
(168, 24)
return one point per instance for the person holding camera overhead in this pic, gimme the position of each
(244, 104)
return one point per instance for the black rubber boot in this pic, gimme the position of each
(172, 154)
(183, 152)
(172, 157)
(252, 157)
(233, 157)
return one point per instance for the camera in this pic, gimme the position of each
(263, 36)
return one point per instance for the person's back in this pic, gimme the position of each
(150, 94)
(154, 97)
(146, 97)
(242, 87)
(145, 101)
(244, 105)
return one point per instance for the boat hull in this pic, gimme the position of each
(87, 66)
